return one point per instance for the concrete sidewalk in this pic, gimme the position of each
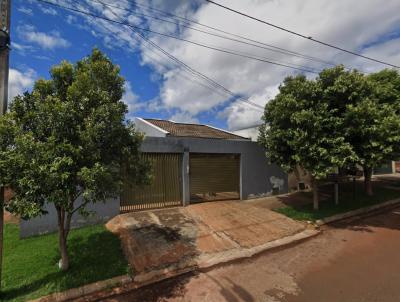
(168, 241)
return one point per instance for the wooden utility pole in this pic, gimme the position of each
(5, 11)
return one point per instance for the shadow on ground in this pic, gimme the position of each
(368, 223)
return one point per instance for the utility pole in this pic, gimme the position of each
(5, 12)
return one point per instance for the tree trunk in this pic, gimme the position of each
(367, 181)
(315, 194)
(62, 240)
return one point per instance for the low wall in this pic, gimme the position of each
(48, 223)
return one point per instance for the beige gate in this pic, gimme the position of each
(214, 176)
(165, 189)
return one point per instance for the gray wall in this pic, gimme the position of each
(257, 176)
(48, 223)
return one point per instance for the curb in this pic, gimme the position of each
(125, 283)
(238, 254)
(334, 218)
(84, 290)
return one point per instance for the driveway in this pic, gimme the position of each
(162, 242)
(348, 262)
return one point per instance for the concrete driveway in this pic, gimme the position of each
(167, 241)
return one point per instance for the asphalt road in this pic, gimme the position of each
(357, 261)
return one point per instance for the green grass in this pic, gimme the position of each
(30, 265)
(347, 202)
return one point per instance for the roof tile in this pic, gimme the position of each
(192, 130)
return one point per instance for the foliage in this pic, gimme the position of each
(30, 265)
(301, 129)
(71, 140)
(340, 119)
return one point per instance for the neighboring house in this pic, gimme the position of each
(390, 167)
(249, 132)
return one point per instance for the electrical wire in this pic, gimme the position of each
(265, 47)
(190, 69)
(302, 35)
(231, 52)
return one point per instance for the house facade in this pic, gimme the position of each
(194, 163)
(190, 163)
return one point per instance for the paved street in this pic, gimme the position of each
(356, 261)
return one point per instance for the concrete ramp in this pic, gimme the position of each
(168, 241)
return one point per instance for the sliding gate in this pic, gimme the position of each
(165, 189)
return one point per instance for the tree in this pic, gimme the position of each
(71, 141)
(6, 147)
(374, 132)
(369, 106)
(300, 129)
(373, 123)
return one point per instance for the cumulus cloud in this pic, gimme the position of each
(20, 81)
(49, 41)
(349, 24)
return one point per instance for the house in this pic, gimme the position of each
(190, 163)
(195, 162)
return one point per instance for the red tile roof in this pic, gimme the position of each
(192, 130)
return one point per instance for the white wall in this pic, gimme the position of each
(251, 133)
(149, 129)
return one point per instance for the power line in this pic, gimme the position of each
(191, 79)
(301, 35)
(190, 69)
(189, 21)
(253, 43)
(231, 52)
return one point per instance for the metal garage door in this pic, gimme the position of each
(214, 176)
(165, 189)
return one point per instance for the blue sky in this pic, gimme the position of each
(43, 36)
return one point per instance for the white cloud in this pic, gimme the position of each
(21, 48)
(71, 19)
(50, 40)
(348, 24)
(20, 81)
(184, 117)
(48, 10)
(25, 10)
(130, 98)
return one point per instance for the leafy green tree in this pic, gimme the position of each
(369, 106)
(72, 140)
(373, 123)
(373, 129)
(6, 147)
(300, 129)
